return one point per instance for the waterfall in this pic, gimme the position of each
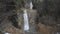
(57, 33)
(6, 33)
(26, 24)
(31, 5)
(25, 15)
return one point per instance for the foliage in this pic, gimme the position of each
(19, 4)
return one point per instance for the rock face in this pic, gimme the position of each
(50, 8)
(48, 12)
(32, 19)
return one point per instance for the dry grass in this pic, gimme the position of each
(45, 30)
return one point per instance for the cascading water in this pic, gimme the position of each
(26, 24)
(31, 5)
(58, 32)
(25, 15)
(6, 33)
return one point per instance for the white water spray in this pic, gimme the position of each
(58, 32)
(26, 24)
(6, 33)
(31, 5)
